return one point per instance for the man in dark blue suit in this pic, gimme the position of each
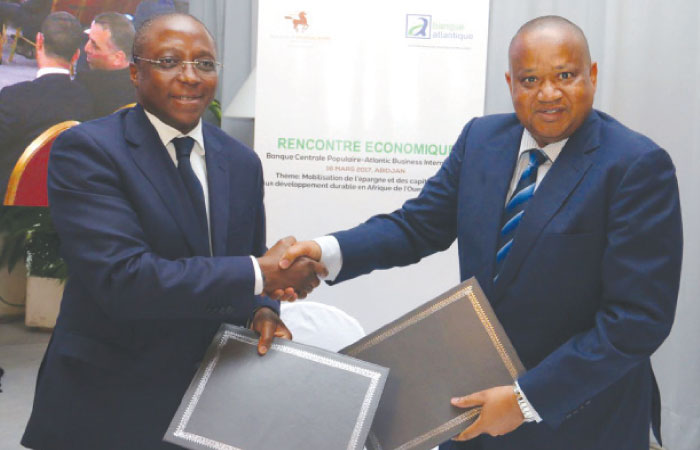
(583, 274)
(28, 108)
(162, 226)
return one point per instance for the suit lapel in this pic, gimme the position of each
(484, 174)
(218, 180)
(156, 165)
(560, 181)
(503, 156)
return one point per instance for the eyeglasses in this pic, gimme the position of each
(168, 63)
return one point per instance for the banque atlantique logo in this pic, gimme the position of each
(418, 26)
(437, 33)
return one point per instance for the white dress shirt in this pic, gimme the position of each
(332, 257)
(49, 70)
(166, 133)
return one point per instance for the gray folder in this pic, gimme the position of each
(295, 397)
(450, 346)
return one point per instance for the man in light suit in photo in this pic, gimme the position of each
(571, 223)
(162, 225)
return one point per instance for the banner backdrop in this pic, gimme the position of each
(357, 103)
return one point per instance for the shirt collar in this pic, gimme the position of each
(166, 133)
(51, 70)
(527, 142)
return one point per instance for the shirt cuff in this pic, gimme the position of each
(528, 410)
(331, 256)
(258, 276)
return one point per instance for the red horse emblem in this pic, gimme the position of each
(299, 24)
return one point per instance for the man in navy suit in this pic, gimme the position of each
(162, 246)
(587, 287)
(30, 107)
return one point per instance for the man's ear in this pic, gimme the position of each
(134, 74)
(593, 74)
(120, 58)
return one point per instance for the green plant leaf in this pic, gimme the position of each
(29, 233)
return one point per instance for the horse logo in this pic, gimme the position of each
(299, 24)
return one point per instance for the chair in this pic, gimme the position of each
(15, 40)
(27, 185)
(320, 325)
(29, 52)
(3, 39)
(13, 44)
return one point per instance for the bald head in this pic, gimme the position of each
(556, 27)
(551, 78)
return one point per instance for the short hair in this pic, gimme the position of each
(544, 21)
(121, 29)
(63, 35)
(142, 33)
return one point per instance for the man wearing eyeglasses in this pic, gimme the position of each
(162, 225)
(108, 52)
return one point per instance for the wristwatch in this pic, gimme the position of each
(528, 414)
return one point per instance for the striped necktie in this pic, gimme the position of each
(183, 149)
(515, 208)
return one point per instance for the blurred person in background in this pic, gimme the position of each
(30, 107)
(108, 51)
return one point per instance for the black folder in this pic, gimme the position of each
(451, 346)
(296, 397)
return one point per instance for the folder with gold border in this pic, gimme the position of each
(296, 397)
(451, 346)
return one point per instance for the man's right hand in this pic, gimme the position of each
(295, 280)
(298, 250)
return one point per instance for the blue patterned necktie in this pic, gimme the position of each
(183, 149)
(515, 208)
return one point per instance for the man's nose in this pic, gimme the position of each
(188, 74)
(548, 92)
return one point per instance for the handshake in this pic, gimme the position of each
(291, 269)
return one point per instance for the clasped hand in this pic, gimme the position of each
(287, 282)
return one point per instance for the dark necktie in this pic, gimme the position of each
(515, 208)
(183, 149)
